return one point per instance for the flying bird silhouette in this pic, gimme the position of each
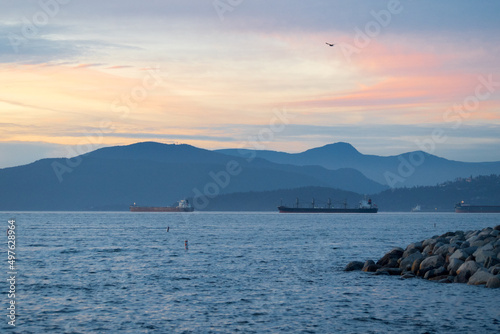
(329, 44)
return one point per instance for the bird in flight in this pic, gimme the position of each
(330, 44)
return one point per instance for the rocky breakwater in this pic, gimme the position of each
(471, 257)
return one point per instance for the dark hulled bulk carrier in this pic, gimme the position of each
(365, 206)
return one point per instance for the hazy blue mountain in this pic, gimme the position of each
(404, 170)
(156, 174)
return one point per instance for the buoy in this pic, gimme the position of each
(186, 244)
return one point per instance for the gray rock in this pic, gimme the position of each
(408, 252)
(354, 265)
(469, 267)
(388, 258)
(497, 228)
(460, 254)
(491, 261)
(485, 232)
(479, 243)
(487, 247)
(381, 271)
(480, 277)
(454, 265)
(481, 255)
(470, 250)
(432, 262)
(443, 250)
(389, 271)
(458, 238)
(416, 265)
(494, 233)
(431, 241)
(408, 275)
(495, 270)
(366, 264)
(445, 280)
(370, 266)
(493, 282)
(470, 258)
(415, 245)
(441, 271)
(427, 250)
(448, 234)
(465, 244)
(407, 262)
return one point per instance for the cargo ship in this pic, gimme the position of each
(365, 206)
(183, 206)
(467, 208)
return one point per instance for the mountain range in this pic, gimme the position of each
(154, 174)
(404, 170)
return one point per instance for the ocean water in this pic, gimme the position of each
(94, 272)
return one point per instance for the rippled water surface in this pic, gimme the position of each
(242, 272)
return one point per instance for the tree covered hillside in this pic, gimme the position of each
(480, 190)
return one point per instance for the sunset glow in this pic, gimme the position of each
(117, 73)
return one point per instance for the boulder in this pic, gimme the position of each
(416, 265)
(497, 228)
(407, 262)
(354, 265)
(428, 250)
(370, 267)
(390, 259)
(493, 282)
(432, 262)
(485, 232)
(432, 241)
(495, 270)
(408, 275)
(466, 270)
(480, 277)
(409, 252)
(454, 265)
(460, 254)
(470, 258)
(464, 245)
(491, 261)
(479, 243)
(441, 271)
(443, 250)
(470, 250)
(414, 245)
(389, 271)
(481, 255)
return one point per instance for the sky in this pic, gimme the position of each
(402, 76)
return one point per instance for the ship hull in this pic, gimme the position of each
(159, 209)
(477, 209)
(284, 209)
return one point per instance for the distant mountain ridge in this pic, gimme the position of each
(404, 170)
(481, 190)
(155, 174)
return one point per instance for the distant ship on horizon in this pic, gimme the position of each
(467, 208)
(183, 206)
(417, 208)
(365, 206)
